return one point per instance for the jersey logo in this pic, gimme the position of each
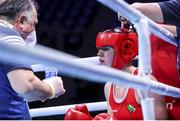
(130, 108)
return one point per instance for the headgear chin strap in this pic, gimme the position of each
(124, 43)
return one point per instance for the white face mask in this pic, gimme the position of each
(31, 39)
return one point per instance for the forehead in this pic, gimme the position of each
(106, 49)
(106, 46)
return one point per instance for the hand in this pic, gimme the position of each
(104, 116)
(56, 85)
(80, 112)
(125, 26)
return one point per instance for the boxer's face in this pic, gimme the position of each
(106, 55)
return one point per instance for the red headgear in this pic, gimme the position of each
(124, 43)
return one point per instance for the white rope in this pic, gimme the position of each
(144, 48)
(148, 108)
(61, 110)
(144, 66)
(66, 65)
(92, 60)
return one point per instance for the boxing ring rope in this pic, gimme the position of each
(91, 60)
(144, 66)
(61, 110)
(66, 64)
(95, 73)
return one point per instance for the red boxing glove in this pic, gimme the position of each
(80, 112)
(82, 108)
(104, 116)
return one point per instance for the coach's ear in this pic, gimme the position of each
(20, 22)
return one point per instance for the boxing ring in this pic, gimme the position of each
(72, 66)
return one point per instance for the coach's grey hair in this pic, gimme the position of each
(12, 8)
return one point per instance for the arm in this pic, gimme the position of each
(160, 107)
(170, 10)
(151, 10)
(25, 83)
(170, 28)
(159, 103)
(163, 12)
(154, 12)
(22, 79)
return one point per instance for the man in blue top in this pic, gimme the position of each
(18, 84)
(167, 12)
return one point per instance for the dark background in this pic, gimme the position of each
(71, 26)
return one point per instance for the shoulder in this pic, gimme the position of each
(170, 10)
(5, 31)
(10, 36)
